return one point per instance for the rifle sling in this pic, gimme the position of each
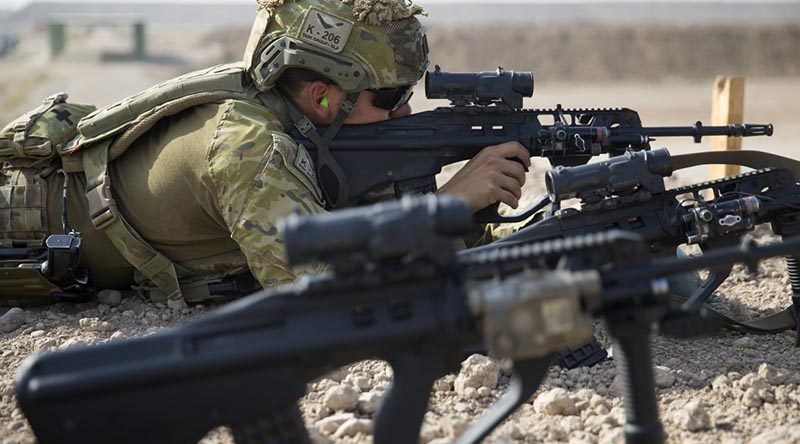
(783, 320)
(750, 159)
(774, 323)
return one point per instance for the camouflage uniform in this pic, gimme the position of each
(206, 187)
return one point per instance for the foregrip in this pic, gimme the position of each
(634, 364)
(282, 426)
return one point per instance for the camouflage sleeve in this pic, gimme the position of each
(261, 176)
(489, 233)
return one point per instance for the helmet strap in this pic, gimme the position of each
(329, 172)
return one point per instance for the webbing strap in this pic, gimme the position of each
(324, 157)
(151, 264)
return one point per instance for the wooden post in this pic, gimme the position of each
(727, 108)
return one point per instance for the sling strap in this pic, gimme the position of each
(327, 167)
(789, 318)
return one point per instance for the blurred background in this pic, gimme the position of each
(660, 58)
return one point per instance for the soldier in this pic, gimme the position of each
(182, 185)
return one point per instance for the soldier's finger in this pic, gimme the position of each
(514, 169)
(507, 198)
(510, 184)
(515, 150)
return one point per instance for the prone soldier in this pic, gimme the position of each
(177, 190)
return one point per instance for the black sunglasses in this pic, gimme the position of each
(391, 99)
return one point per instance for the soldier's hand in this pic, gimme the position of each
(496, 174)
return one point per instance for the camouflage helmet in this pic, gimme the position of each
(357, 44)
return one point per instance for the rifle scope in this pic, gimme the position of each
(384, 231)
(480, 88)
(636, 170)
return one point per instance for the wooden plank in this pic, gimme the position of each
(727, 108)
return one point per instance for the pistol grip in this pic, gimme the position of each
(403, 407)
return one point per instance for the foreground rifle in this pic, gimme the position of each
(397, 291)
(403, 155)
(628, 193)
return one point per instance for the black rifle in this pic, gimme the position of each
(403, 155)
(397, 291)
(628, 193)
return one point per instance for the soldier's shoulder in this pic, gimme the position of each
(249, 114)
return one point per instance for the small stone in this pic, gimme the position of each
(469, 393)
(692, 417)
(444, 384)
(112, 298)
(664, 376)
(46, 343)
(12, 320)
(332, 423)
(368, 402)
(40, 326)
(745, 342)
(615, 388)
(117, 335)
(317, 438)
(94, 324)
(612, 436)
(428, 433)
(483, 392)
(597, 401)
(340, 397)
(773, 375)
(37, 333)
(128, 314)
(571, 424)
(515, 433)
(461, 407)
(358, 381)
(780, 434)
(720, 383)
(72, 342)
(477, 371)
(751, 398)
(555, 402)
(456, 428)
(353, 427)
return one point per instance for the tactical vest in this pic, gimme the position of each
(95, 138)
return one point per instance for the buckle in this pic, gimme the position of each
(102, 206)
(346, 106)
(304, 126)
(55, 99)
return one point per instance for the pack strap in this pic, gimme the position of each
(105, 216)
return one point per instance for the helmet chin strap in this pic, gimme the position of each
(330, 174)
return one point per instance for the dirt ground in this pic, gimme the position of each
(732, 388)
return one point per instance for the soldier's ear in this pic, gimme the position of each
(318, 101)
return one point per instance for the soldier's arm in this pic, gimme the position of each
(261, 176)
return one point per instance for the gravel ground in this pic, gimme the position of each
(731, 388)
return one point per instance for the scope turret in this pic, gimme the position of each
(349, 238)
(480, 88)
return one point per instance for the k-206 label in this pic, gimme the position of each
(325, 30)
